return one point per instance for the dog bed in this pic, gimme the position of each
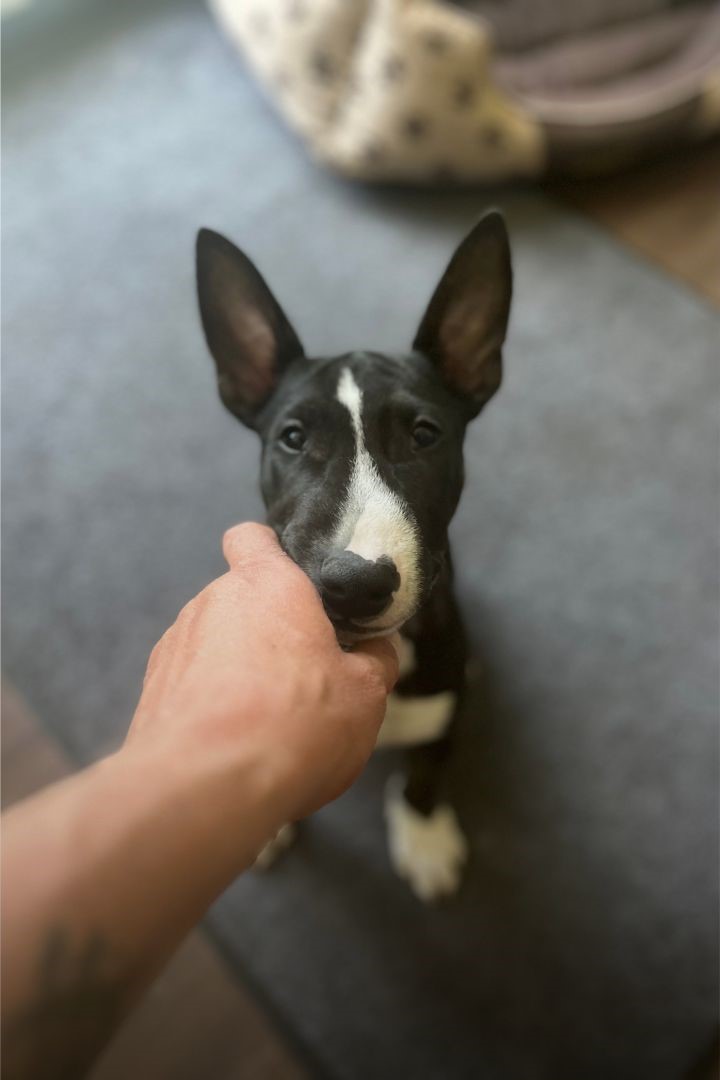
(421, 90)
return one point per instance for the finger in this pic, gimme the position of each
(396, 642)
(382, 652)
(248, 542)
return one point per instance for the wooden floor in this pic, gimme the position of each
(199, 1020)
(668, 212)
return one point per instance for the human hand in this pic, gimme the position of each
(252, 665)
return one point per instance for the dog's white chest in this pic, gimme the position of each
(413, 720)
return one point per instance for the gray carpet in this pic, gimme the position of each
(583, 944)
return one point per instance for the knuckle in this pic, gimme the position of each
(155, 653)
(374, 683)
(156, 656)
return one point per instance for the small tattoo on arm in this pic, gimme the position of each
(78, 1001)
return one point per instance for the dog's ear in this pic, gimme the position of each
(247, 332)
(464, 327)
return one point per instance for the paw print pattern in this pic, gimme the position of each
(387, 88)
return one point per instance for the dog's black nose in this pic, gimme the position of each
(355, 588)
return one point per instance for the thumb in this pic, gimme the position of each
(249, 542)
(382, 654)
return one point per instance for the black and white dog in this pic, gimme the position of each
(362, 469)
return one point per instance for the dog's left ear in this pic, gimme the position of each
(247, 332)
(464, 327)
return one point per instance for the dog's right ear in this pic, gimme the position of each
(250, 338)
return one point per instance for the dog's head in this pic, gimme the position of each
(362, 463)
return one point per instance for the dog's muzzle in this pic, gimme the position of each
(353, 588)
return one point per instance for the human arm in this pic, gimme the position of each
(251, 715)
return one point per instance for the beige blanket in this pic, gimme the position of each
(411, 90)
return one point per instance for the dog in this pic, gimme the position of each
(361, 473)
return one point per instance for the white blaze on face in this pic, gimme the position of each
(374, 521)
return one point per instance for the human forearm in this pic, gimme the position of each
(250, 716)
(103, 876)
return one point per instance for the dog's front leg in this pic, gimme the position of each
(426, 844)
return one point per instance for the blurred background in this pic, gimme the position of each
(347, 147)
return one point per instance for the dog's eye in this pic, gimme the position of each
(293, 437)
(425, 434)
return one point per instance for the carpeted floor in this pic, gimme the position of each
(583, 944)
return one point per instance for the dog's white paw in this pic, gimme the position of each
(282, 840)
(429, 852)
